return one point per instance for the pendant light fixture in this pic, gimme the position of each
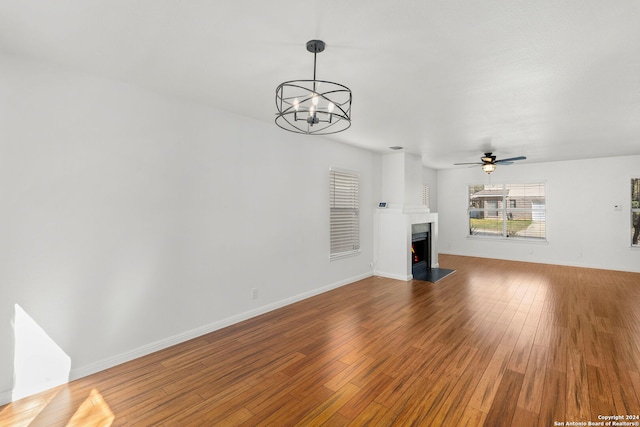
(313, 107)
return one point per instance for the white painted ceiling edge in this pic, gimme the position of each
(446, 80)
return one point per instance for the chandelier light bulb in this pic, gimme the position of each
(330, 107)
(314, 99)
(296, 104)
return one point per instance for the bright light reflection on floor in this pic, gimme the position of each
(39, 363)
(93, 412)
(23, 412)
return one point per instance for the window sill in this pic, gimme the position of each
(510, 239)
(341, 255)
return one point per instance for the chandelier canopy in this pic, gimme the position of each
(313, 107)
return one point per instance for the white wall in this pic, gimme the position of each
(583, 228)
(402, 179)
(413, 180)
(130, 221)
(393, 178)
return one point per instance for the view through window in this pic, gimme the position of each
(507, 211)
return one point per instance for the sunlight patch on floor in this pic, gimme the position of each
(21, 413)
(94, 412)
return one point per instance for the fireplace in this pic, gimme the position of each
(398, 230)
(420, 249)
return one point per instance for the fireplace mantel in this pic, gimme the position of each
(392, 239)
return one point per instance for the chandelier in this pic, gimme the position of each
(313, 107)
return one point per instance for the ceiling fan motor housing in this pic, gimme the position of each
(488, 158)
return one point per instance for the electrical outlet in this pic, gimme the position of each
(254, 293)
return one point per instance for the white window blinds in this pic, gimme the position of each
(344, 213)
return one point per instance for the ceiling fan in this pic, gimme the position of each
(489, 162)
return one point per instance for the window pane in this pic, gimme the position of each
(528, 219)
(481, 226)
(523, 195)
(486, 198)
(522, 223)
(512, 210)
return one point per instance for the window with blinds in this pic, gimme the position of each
(635, 212)
(508, 210)
(344, 213)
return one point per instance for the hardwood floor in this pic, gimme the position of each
(496, 343)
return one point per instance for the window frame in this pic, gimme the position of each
(507, 209)
(345, 216)
(634, 210)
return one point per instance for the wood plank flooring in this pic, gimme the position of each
(497, 343)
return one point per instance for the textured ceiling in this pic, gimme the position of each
(551, 80)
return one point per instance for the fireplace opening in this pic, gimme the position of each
(420, 249)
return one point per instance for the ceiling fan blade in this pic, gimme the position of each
(511, 159)
(473, 163)
(505, 163)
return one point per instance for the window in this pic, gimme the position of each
(344, 213)
(635, 211)
(507, 210)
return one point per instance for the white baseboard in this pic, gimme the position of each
(202, 330)
(5, 397)
(393, 276)
(101, 365)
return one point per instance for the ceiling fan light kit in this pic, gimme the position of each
(313, 107)
(489, 167)
(489, 162)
